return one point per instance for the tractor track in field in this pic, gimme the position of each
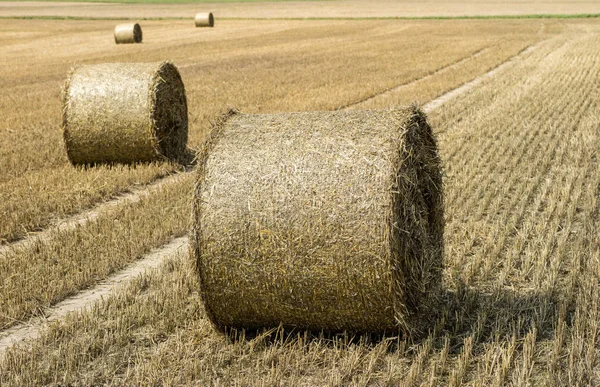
(86, 298)
(465, 87)
(90, 215)
(396, 88)
(442, 99)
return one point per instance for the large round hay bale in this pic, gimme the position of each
(124, 112)
(128, 33)
(320, 220)
(204, 19)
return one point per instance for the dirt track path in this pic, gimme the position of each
(87, 298)
(398, 88)
(442, 99)
(464, 88)
(92, 214)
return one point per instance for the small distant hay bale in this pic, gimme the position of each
(124, 112)
(320, 220)
(204, 19)
(128, 33)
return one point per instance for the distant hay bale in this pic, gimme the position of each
(320, 220)
(124, 112)
(204, 19)
(128, 33)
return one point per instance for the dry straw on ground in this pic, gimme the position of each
(125, 112)
(319, 220)
(204, 19)
(128, 33)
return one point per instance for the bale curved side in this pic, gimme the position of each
(124, 112)
(128, 33)
(319, 220)
(204, 19)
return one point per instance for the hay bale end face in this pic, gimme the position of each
(204, 19)
(124, 112)
(128, 33)
(320, 220)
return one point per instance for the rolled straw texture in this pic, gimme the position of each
(320, 220)
(204, 19)
(124, 112)
(128, 33)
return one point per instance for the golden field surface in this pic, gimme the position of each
(298, 9)
(522, 183)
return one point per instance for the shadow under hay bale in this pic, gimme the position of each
(128, 33)
(125, 112)
(464, 312)
(204, 19)
(320, 220)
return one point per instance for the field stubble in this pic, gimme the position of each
(36, 186)
(522, 259)
(254, 70)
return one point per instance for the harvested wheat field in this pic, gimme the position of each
(514, 105)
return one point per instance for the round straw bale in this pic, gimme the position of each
(128, 33)
(124, 112)
(320, 220)
(204, 19)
